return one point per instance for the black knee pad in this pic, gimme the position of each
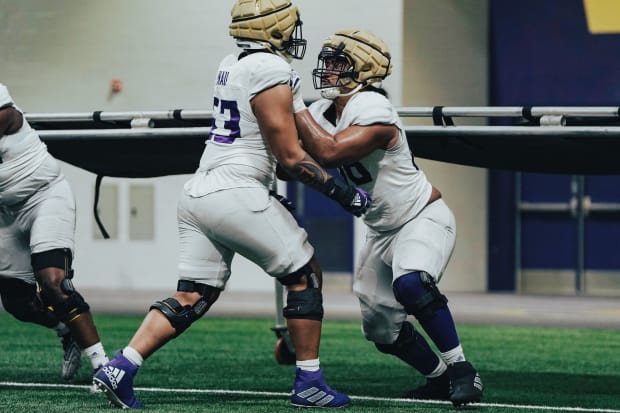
(418, 293)
(405, 340)
(21, 300)
(295, 277)
(181, 317)
(58, 258)
(66, 309)
(305, 304)
(69, 309)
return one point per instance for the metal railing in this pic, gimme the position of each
(562, 139)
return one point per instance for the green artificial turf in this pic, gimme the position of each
(227, 365)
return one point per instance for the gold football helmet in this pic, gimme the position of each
(270, 24)
(351, 59)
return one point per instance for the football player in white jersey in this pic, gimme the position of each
(226, 207)
(411, 230)
(37, 226)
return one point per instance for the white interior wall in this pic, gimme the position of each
(445, 56)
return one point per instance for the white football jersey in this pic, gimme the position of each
(236, 154)
(399, 190)
(26, 165)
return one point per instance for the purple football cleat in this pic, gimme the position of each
(115, 379)
(310, 390)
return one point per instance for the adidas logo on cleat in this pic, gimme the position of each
(478, 382)
(316, 396)
(114, 375)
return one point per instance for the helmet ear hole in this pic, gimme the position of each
(277, 34)
(366, 67)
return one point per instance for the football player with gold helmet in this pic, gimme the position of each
(226, 207)
(411, 231)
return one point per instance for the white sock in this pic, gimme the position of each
(132, 355)
(454, 355)
(96, 355)
(61, 329)
(308, 365)
(439, 370)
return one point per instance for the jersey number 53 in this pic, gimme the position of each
(225, 126)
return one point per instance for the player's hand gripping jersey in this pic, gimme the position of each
(236, 154)
(399, 190)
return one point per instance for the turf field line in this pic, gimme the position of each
(281, 394)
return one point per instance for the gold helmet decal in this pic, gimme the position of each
(274, 24)
(366, 55)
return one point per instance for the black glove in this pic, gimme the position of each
(284, 201)
(352, 199)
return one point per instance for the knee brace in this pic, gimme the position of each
(295, 277)
(418, 293)
(57, 258)
(305, 304)
(70, 308)
(21, 300)
(181, 317)
(65, 309)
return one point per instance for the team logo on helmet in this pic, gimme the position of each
(351, 59)
(271, 24)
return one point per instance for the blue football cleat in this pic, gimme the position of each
(310, 390)
(115, 379)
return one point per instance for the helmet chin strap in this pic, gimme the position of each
(332, 93)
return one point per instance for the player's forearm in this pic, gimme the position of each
(308, 171)
(316, 140)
